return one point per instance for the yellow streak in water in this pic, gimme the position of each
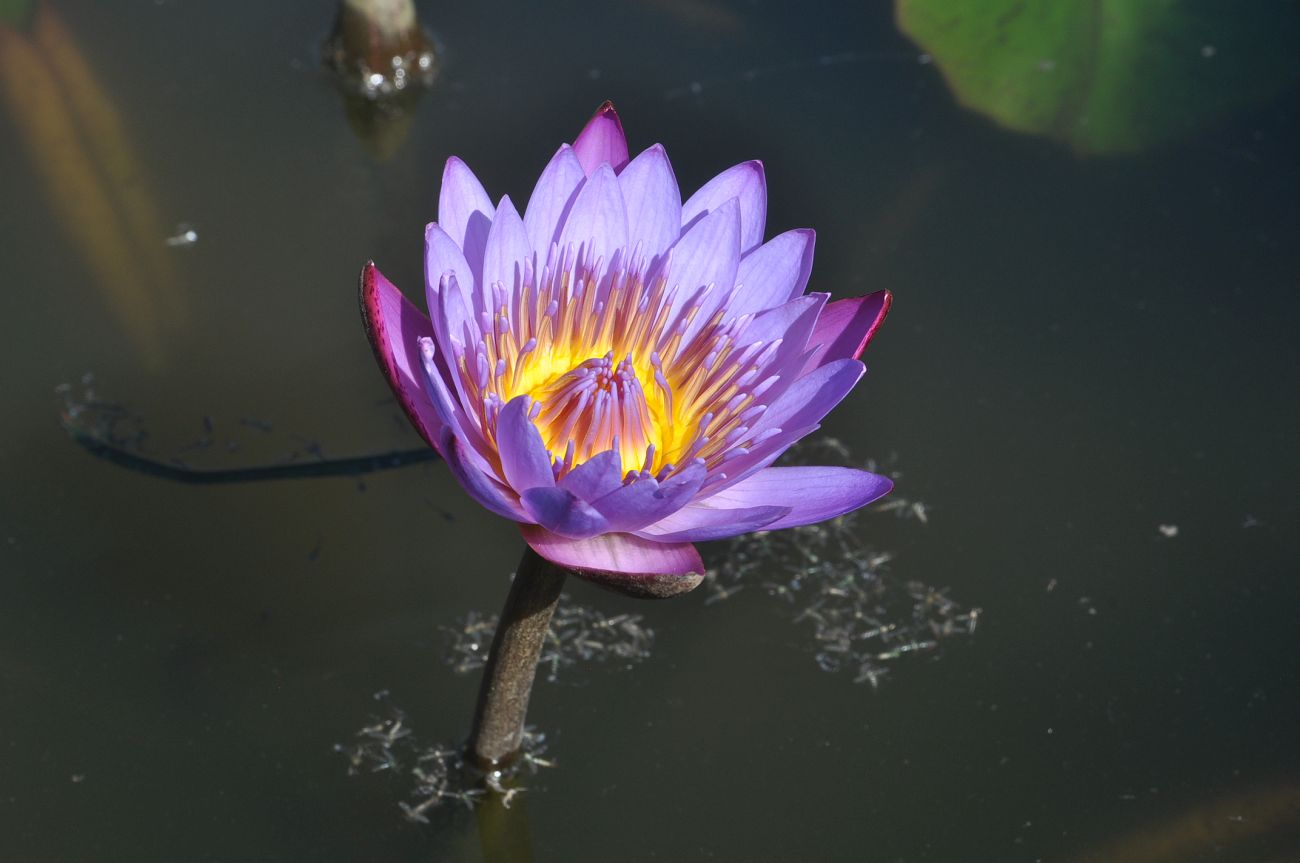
(1205, 830)
(78, 145)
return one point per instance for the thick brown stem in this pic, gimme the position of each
(508, 678)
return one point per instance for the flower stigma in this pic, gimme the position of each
(613, 361)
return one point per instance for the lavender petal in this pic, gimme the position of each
(654, 203)
(812, 493)
(524, 457)
(551, 199)
(563, 513)
(745, 182)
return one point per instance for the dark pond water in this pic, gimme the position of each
(1088, 381)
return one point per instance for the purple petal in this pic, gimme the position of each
(744, 182)
(645, 501)
(812, 396)
(465, 212)
(699, 522)
(449, 410)
(595, 477)
(442, 256)
(790, 358)
(460, 197)
(507, 248)
(794, 322)
(394, 327)
(563, 513)
(452, 316)
(622, 562)
(524, 458)
(654, 204)
(813, 493)
(454, 328)
(791, 323)
(761, 456)
(551, 199)
(707, 254)
(465, 426)
(774, 273)
(478, 485)
(597, 219)
(846, 327)
(601, 141)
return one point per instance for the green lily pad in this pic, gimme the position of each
(1107, 76)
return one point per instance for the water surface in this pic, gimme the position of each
(1083, 349)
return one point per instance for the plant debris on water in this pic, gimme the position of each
(110, 431)
(110, 426)
(862, 618)
(578, 633)
(438, 773)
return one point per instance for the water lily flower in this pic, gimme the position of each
(615, 369)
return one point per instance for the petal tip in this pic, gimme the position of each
(606, 109)
(881, 302)
(602, 140)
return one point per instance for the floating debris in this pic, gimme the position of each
(109, 422)
(441, 773)
(438, 773)
(1168, 531)
(904, 508)
(578, 634)
(184, 236)
(861, 617)
(111, 432)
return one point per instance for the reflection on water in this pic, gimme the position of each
(503, 829)
(1106, 77)
(1242, 823)
(94, 179)
(383, 60)
(382, 125)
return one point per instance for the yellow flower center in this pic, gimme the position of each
(608, 365)
(597, 406)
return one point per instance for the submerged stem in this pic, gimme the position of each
(508, 677)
